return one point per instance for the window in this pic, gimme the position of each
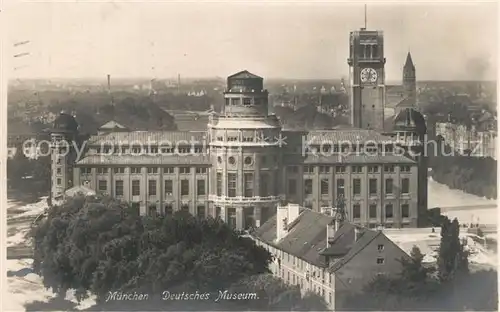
(324, 169)
(357, 169)
(153, 150)
(59, 170)
(373, 211)
(200, 187)
(136, 187)
(103, 185)
(198, 150)
(136, 149)
(389, 168)
(388, 211)
(152, 210)
(184, 170)
(405, 185)
(135, 170)
(264, 184)
(404, 168)
(405, 210)
(169, 210)
(340, 187)
(58, 181)
(152, 187)
(292, 169)
(217, 212)
(102, 170)
(168, 170)
(200, 212)
(185, 208)
(86, 170)
(356, 186)
(308, 186)
(169, 187)
(356, 211)
(184, 187)
(231, 184)
(201, 170)
(372, 186)
(219, 184)
(388, 186)
(308, 169)
(380, 247)
(167, 150)
(248, 184)
(373, 169)
(340, 169)
(119, 170)
(292, 186)
(380, 260)
(247, 101)
(325, 185)
(183, 150)
(118, 188)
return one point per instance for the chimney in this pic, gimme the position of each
(284, 216)
(331, 229)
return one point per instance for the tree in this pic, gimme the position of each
(97, 245)
(452, 255)
(414, 275)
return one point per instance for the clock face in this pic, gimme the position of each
(368, 75)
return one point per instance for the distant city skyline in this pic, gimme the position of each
(453, 41)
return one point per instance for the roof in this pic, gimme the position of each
(247, 123)
(406, 102)
(410, 119)
(112, 125)
(79, 189)
(345, 136)
(244, 74)
(151, 137)
(159, 160)
(307, 239)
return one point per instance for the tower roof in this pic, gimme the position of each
(65, 123)
(410, 120)
(409, 61)
(245, 74)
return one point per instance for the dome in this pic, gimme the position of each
(410, 120)
(65, 123)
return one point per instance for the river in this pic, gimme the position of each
(442, 196)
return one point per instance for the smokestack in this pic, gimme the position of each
(109, 83)
(178, 83)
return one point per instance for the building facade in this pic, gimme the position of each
(320, 254)
(244, 165)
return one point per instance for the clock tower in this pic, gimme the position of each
(367, 79)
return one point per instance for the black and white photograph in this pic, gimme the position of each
(249, 156)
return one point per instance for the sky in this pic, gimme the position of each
(295, 40)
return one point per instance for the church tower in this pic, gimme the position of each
(367, 79)
(410, 81)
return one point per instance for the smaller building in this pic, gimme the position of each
(323, 255)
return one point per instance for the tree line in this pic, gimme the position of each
(473, 175)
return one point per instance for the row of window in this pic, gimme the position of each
(388, 211)
(149, 150)
(356, 186)
(168, 210)
(342, 169)
(138, 170)
(248, 184)
(246, 101)
(102, 186)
